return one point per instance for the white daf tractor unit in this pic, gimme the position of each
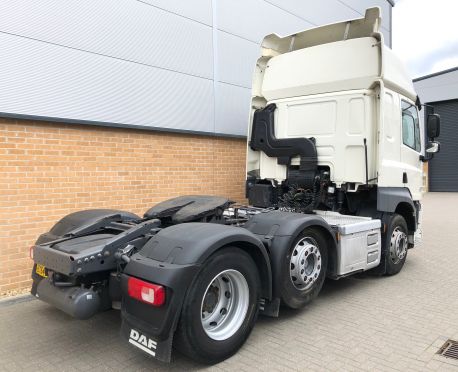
(334, 182)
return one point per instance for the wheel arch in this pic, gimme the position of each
(330, 244)
(408, 213)
(195, 242)
(398, 200)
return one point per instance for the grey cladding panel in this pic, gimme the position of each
(443, 168)
(386, 37)
(126, 29)
(146, 62)
(361, 5)
(317, 12)
(232, 108)
(255, 19)
(199, 10)
(438, 88)
(236, 59)
(71, 84)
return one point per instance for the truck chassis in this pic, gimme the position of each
(195, 271)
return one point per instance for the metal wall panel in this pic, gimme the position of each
(198, 10)
(50, 81)
(127, 29)
(146, 62)
(317, 12)
(443, 168)
(254, 19)
(386, 36)
(361, 5)
(236, 59)
(438, 88)
(232, 105)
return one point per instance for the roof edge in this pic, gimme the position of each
(435, 74)
(391, 2)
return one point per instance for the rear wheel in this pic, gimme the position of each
(395, 244)
(304, 269)
(220, 308)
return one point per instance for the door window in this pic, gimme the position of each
(410, 126)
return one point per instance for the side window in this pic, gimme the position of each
(410, 126)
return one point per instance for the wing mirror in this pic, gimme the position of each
(433, 147)
(433, 129)
(433, 126)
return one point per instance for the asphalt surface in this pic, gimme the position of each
(360, 323)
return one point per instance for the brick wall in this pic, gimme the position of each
(50, 169)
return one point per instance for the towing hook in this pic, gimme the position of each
(122, 257)
(123, 254)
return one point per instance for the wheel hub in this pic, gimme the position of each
(398, 245)
(305, 263)
(210, 299)
(225, 304)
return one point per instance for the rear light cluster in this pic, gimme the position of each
(149, 293)
(31, 251)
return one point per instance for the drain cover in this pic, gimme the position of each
(449, 349)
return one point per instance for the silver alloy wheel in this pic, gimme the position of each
(305, 263)
(398, 245)
(225, 304)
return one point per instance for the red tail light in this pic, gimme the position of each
(149, 293)
(31, 251)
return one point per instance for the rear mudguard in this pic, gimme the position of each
(173, 258)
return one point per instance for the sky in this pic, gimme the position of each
(425, 35)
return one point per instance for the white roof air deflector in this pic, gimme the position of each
(336, 57)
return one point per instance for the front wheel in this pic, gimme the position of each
(395, 244)
(220, 308)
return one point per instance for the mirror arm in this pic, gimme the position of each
(431, 107)
(425, 159)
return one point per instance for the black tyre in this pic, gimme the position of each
(395, 244)
(304, 269)
(220, 308)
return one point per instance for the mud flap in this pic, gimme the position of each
(159, 349)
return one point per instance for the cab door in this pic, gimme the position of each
(411, 149)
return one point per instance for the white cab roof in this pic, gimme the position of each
(337, 57)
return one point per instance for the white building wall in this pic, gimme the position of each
(164, 64)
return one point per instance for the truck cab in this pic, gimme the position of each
(340, 88)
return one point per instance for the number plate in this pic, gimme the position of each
(41, 270)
